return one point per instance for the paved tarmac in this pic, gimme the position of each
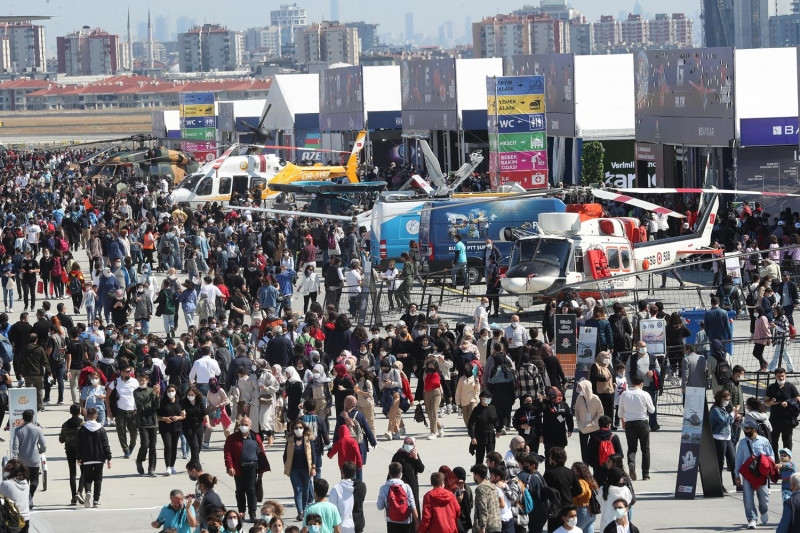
(130, 501)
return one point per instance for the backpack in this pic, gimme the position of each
(551, 499)
(723, 372)
(75, 286)
(507, 376)
(6, 350)
(764, 430)
(357, 432)
(56, 270)
(621, 339)
(525, 501)
(397, 508)
(725, 301)
(311, 422)
(11, 520)
(605, 449)
(752, 296)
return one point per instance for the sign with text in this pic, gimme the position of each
(199, 123)
(653, 332)
(587, 347)
(689, 456)
(517, 123)
(19, 400)
(566, 348)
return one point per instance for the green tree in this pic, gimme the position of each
(592, 160)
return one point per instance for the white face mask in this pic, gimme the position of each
(95, 381)
(606, 362)
(316, 375)
(725, 403)
(244, 429)
(298, 432)
(642, 349)
(376, 337)
(781, 382)
(266, 517)
(487, 401)
(620, 512)
(514, 325)
(572, 522)
(485, 337)
(171, 394)
(408, 447)
(142, 385)
(190, 398)
(189, 345)
(232, 523)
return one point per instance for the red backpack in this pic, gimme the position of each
(397, 503)
(605, 449)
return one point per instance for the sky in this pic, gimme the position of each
(110, 15)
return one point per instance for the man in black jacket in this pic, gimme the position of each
(280, 350)
(787, 292)
(92, 451)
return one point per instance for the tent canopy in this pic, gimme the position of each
(290, 95)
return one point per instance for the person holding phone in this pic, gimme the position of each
(178, 514)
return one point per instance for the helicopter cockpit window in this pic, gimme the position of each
(555, 252)
(613, 258)
(626, 259)
(205, 186)
(225, 185)
(190, 182)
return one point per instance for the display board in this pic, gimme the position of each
(341, 99)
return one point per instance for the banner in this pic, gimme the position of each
(566, 342)
(559, 74)
(428, 94)
(516, 123)
(199, 123)
(733, 269)
(587, 349)
(341, 99)
(652, 332)
(18, 401)
(689, 456)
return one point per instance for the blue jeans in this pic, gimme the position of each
(750, 511)
(8, 295)
(301, 485)
(460, 268)
(145, 326)
(585, 520)
(169, 323)
(90, 316)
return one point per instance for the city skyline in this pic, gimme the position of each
(71, 15)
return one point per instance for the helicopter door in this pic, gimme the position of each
(225, 185)
(205, 187)
(240, 184)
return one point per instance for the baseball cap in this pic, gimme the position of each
(750, 423)
(400, 324)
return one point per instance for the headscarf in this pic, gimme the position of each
(323, 374)
(545, 350)
(340, 369)
(276, 372)
(213, 385)
(350, 403)
(291, 375)
(585, 386)
(590, 305)
(717, 350)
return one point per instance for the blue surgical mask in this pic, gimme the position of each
(314, 529)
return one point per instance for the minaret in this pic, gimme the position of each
(130, 45)
(150, 41)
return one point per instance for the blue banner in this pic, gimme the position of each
(197, 98)
(516, 85)
(201, 122)
(779, 131)
(517, 123)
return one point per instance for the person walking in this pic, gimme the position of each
(298, 464)
(487, 503)
(561, 478)
(348, 496)
(791, 507)
(588, 410)
(92, 450)
(32, 364)
(396, 498)
(194, 422)
(634, 407)
(621, 523)
(751, 445)
(468, 390)
(147, 401)
(245, 460)
(601, 376)
(122, 406)
(721, 429)
(170, 413)
(440, 509)
(433, 397)
(459, 263)
(28, 447)
(484, 427)
(409, 458)
(329, 518)
(646, 367)
(68, 437)
(776, 398)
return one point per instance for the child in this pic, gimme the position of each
(314, 523)
(89, 300)
(94, 395)
(787, 469)
(621, 385)
(701, 340)
(290, 529)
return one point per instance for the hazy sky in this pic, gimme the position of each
(237, 14)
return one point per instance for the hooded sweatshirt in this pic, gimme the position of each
(348, 497)
(588, 408)
(440, 509)
(93, 445)
(19, 492)
(346, 447)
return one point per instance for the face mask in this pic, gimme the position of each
(606, 362)
(376, 337)
(95, 381)
(316, 375)
(781, 382)
(487, 401)
(725, 403)
(620, 374)
(514, 325)
(244, 429)
(232, 523)
(142, 385)
(383, 354)
(572, 522)
(485, 337)
(488, 246)
(529, 407)
(190, 345)
(486, 305)
(191, 398)
(362, 352)
(408, 447)
(620, 512)
(298, 432)
(171, 395)
(266, 517)
(314, 529)
(140, 291)
(642, 349)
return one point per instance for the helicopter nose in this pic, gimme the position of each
(181, 195)
(527, 285)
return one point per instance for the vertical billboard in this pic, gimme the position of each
(341, 99)
(517, 137)
(559, 74)
(428, 94)
(685, 97)
(199, 125)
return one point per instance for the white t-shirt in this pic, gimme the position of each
(352, 282)
(505, 512)
(125, 390)
(562, 529)
(32, 233)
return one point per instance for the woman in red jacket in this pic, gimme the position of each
(433, 397)
(440, 509)
(346, 448)
(245, 461)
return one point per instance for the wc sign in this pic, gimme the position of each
(779, 131)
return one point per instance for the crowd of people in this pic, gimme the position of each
(313, 382)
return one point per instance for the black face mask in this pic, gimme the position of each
(528, 407)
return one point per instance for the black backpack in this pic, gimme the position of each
(722, 372)
(621, 339)
(752, 296)
(725, 302)
(549, 498)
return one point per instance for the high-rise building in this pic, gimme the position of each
(290, 19)
(547, 36)
(718, 25)
(581, 38)
(409, 26)
(661, 29)
(161, 28)
(367, 32)
(784, 30)
(508, 35)
(634, 29)
(607, 32)
(183, 24)
(328, 42)
(335, 10)
(88, 53)
(209, 48)
(751, 23)
(264, 40)
(684, 30)
(26, 46)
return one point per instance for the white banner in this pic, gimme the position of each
(587, 347)
(18, 401)
(652, 332)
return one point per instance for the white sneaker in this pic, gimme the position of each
(432, 436)
(440, 433)
(87, 499)
(388, 435)
(752, 524)
(168, 471)
(765, 518)
(172, 469)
